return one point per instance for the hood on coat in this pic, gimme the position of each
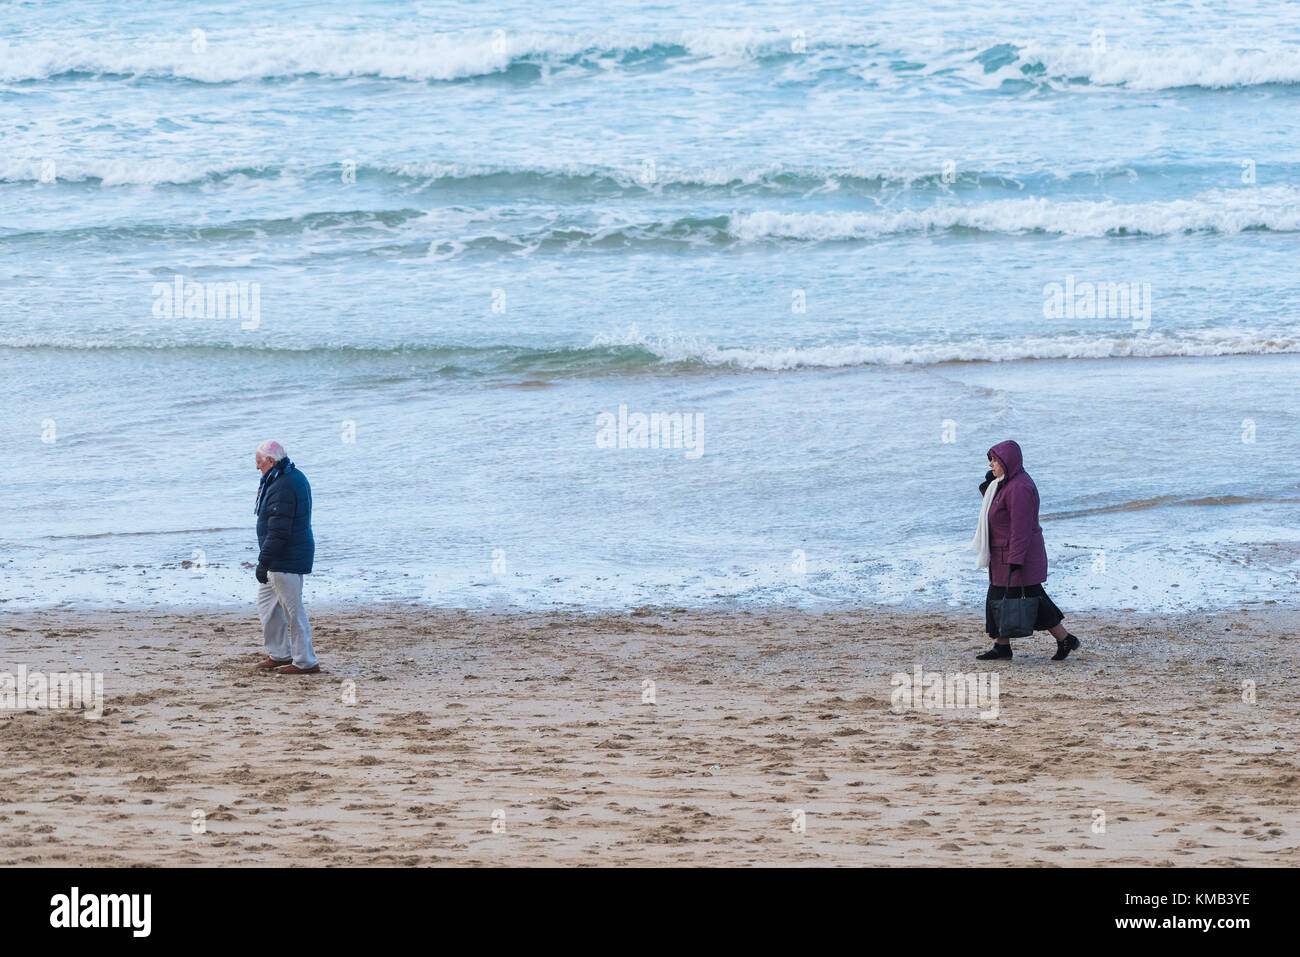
(1008, 453)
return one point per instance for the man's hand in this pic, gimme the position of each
(261, 574)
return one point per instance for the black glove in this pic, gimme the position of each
(988, 476)
(261, 574)
(1015, 567)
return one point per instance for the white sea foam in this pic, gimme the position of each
(1144, 68)
(408, 55)
(162, 170)
(977, 349)
(1275, 208)
(266, 55)
(124, 171)
(691, 350)
(341, 54)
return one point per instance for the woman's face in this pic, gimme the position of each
(996, 466)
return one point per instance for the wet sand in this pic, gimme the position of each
(512, 738)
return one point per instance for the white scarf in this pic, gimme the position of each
(981, 540)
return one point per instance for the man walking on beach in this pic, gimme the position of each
(286, 549)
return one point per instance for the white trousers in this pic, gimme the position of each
(285, 628)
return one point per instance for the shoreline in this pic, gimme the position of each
(972, 609)
(540, 719)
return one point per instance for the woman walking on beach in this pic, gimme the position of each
(1010, 542)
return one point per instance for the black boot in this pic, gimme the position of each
(994, 653)
(1066, 645)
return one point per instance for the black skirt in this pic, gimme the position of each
(1049, 616)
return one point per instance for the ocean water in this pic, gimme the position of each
(433, 249)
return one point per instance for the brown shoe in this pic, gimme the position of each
(274, 662)
(295, 670)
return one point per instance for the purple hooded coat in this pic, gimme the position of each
(1015, 537)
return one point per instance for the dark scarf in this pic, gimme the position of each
(273, 473)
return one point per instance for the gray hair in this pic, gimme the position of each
(272, 450)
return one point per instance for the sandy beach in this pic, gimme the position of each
(514, 738)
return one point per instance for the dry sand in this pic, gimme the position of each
(757, 715)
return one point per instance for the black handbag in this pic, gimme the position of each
(1015, 617)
